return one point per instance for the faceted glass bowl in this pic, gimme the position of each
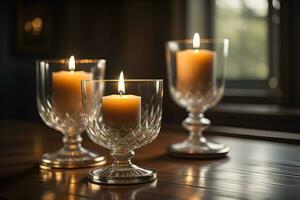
(196, 83)
(59, 104)
(132, 122)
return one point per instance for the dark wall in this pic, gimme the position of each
(16, 72)
(129, 34)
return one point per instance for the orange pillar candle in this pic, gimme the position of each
(121, 110)
(66, 89)
(195, 69)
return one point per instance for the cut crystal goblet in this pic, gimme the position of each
(59, 104)
(122, 122)
(196, 83)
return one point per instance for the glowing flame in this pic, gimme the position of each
(121, 85)
(196, 41)
(72, 63)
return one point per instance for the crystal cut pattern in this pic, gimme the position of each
(59, 104)
(122, 140)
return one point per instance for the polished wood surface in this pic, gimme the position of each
(254, 169)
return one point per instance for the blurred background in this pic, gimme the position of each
(262, 75)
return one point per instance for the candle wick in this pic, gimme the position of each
(121, 93)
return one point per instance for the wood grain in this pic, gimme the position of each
(254, 169)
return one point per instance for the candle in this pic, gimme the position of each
(66, 89)
(195, 69)
(120, 110)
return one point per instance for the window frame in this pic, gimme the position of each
(239, 90)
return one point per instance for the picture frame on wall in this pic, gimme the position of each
(34, 28)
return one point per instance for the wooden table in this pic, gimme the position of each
(254, 169)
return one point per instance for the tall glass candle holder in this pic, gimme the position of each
(196, 83)
(59, 105)
(122, 122)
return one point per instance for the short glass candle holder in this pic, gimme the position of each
(196, 83)
(59, 104)
(122, 122)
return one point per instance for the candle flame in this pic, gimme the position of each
(196, 41)
(121, 85)
(72, 63)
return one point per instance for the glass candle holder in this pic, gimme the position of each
(122, 122)
(196, 83)
(59, 104)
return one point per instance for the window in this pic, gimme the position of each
(248, 26)
(252, 26)
(245, 24)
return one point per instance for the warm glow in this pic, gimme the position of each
(196, 41)
(37, 24)
(121, 85)
(28, 26)
(72, 63)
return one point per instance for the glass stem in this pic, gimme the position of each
(196, 123)
(122, 158)
(72, 143)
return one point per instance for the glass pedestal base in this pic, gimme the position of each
(199, 149)
(115, 175)
(197, 146)
(78, 158)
